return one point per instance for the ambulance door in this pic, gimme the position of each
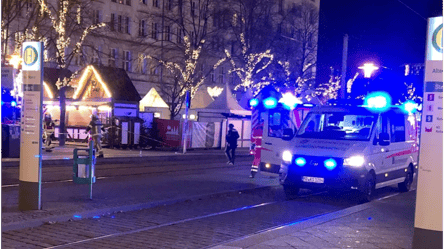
(272, 143)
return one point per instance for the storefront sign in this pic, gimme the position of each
(125, 110)
(31, 127)
(429, 200)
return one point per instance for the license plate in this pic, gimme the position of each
(313, 179)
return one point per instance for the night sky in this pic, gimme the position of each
(385, 32)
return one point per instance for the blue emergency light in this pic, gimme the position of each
(300, 161)
(270, 103)
(409, 106)
(254, 102)
(378, 101)
(13, 103)
(330, 164)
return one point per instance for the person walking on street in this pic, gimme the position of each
(96, 128)
(231, 138)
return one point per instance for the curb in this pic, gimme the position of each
(118, 160)
(105, 211)
(290, 228)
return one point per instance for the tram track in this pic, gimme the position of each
(203, 223)
(61, 174)
(213, 219)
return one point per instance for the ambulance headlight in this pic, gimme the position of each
(354, 161)
(287, 156)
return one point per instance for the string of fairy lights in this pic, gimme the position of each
(189, 80)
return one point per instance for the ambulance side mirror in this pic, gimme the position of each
(384, 139)
(287, 134)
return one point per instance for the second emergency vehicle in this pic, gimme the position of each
(351, 147)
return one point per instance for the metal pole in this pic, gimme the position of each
(344, 67)
(91, 157)
(185, 123)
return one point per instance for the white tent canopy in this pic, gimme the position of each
(226, 103)
(201, 99)
(152, 99)
(246, 97)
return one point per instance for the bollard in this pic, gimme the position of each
(84, 167)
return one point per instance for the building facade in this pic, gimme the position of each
(136, 29)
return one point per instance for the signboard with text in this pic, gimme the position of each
(429, 199)
(31, 127)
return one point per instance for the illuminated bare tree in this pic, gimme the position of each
(182, 34)
(67, 20)
(185, 77)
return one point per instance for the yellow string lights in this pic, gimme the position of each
(246, 72)
(62, 42)
(187, 74)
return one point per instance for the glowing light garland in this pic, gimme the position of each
(187, 73)
(62, 42)
(246, 72)
(83, 80)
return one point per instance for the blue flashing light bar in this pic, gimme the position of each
(254, 102)
(13, 103)
(270, 103)
(378, 101)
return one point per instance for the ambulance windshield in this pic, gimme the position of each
(338, 125)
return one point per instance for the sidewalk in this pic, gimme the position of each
(385, 223)
(64, 155)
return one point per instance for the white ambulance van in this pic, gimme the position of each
(351, 147)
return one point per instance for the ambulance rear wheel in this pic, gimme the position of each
(291, 191)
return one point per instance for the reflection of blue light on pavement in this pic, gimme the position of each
(66, 158)
(96, 217)
(77, 216)
(369, 218)
(112, 217)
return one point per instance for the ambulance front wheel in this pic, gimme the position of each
(368, 189)
(291, 191)
(407, 183)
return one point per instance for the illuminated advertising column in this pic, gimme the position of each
(30, 171)
(429, 196)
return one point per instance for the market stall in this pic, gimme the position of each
(105, 91)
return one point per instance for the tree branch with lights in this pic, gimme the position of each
(185, 76)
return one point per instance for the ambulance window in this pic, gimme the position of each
(382, 126)
(397, 128)
(276, 124)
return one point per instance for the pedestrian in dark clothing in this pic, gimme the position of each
(231, 145)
